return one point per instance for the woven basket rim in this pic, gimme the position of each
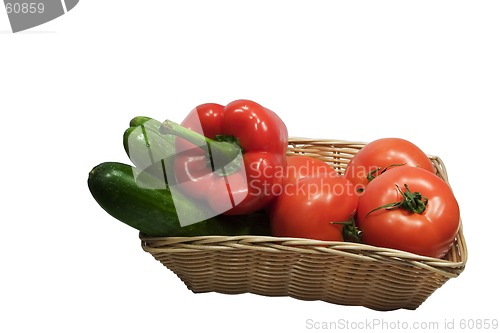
(297, 140)
(292, 245)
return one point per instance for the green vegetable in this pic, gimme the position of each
(144, 203)
(146, 147)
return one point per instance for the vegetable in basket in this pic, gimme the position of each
(409, 209)
(380, 155)
(147, 148)
(315, 203)
(230, 156)
(124, 194)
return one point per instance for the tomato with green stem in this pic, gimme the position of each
(409, 209)
(315, 203)
(380, 155)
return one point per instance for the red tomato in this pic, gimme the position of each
(428, 233)
(307, 208)
(381, 154)
(300, 166)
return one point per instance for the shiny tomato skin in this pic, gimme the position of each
(307, 208)
(430, 233)
(300, 166)
(383, 153)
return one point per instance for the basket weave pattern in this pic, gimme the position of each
(335, 272)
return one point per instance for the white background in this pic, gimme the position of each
(427, 71)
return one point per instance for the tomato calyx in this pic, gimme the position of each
(350, 231)
(414, 202)
(371, 175)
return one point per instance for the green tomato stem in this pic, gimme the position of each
(371, 176)
(413, 202)
(350, 231)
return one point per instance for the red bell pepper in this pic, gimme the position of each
(231, 157)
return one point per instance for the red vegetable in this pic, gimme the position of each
(410, 209)
(237, 163)
(315, 203)
(380, 155)
(300, 166)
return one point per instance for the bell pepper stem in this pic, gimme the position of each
(220, 153)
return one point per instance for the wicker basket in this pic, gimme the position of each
(340, 272)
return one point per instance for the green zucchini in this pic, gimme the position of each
(140, 201)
